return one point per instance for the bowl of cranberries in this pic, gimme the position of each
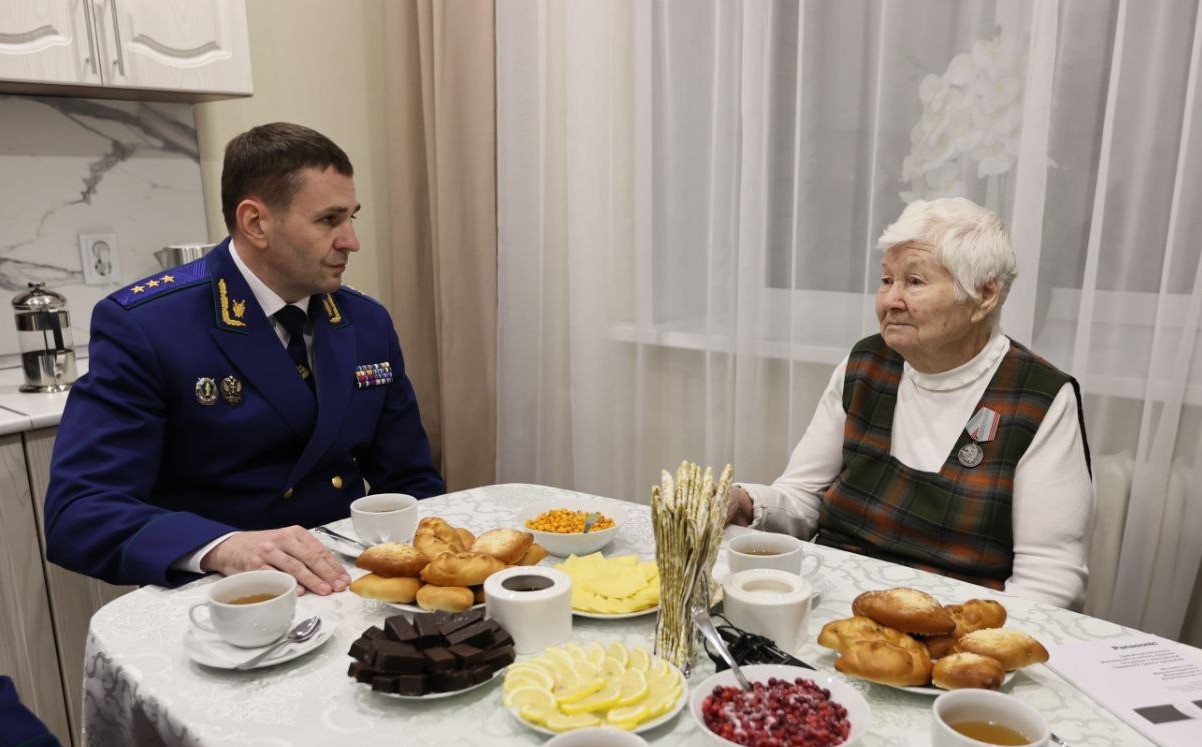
(786, 706)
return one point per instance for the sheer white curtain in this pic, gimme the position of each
(689, 193)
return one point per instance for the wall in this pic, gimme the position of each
(319, 63)
(71, 166)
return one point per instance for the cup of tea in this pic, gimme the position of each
(384, 517)
(248, 609)
(972, 718)
(782, 552)
(771, 603)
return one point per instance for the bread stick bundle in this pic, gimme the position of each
(687, 515)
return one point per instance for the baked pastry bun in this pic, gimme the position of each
(449, 598)
(533, 555)
(478, 593)
(466, 538)
(398, 590)
(975, 614)
(1014, 649)
(957, 671)
(506, 545)
(434, 537)
(887, 663)
(840, 635)
(392, 559)
(460, 569)
(907, 610)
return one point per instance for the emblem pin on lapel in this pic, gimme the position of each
(231, 390)
(206, 390)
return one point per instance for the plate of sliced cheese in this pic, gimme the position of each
(612, 588)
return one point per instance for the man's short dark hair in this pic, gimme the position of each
(266, 161)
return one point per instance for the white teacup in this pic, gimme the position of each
(248, 609)
(956, 708)
(384, 517)
(783, 552)
(770, 603)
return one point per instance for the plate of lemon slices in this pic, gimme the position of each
(582, 684)
(615, 587)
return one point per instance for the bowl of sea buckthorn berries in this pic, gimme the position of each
(572, 526)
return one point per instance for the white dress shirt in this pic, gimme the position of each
(1053, 499)
(270, 302)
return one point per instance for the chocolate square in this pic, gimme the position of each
(462, 620)
(374, 634)
(475, 634)
(478, 674)
(441, 660)
(384, 684)
(500, 638)
(363, 648)
(427, 628)
(400, 629)
(411, 684)
(456, 679)
(498, 658)
(395, 657)
(467, 656)
(366, 674)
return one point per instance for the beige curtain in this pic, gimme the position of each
(440, 106)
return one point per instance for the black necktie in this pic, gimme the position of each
(293, 320)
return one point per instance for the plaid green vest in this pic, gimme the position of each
(956, 522)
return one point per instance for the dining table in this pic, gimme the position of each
(143, 687)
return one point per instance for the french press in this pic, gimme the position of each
(44, 335)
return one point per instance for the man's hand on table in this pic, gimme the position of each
(739, 509)
(291, 549)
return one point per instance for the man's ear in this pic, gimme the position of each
(253, 220)
(988, 303)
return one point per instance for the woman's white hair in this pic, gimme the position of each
(967, 239)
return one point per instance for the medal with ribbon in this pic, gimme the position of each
(981, 428)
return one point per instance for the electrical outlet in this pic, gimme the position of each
(100, 258)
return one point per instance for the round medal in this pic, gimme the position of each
(970, 454)
(206, 390)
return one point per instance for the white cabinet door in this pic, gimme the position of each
(48, 42)
(177, 45)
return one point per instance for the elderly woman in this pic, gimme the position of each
(940, 443)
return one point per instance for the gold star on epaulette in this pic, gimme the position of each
(137, 289)
(153, 283)
(168, 278)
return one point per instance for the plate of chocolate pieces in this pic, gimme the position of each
(435, 655)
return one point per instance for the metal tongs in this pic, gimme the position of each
(701, 617)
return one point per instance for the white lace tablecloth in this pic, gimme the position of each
(141, 688)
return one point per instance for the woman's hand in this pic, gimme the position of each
(739, 508)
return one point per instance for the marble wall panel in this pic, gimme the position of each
(70, 166)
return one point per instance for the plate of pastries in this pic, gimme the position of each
(445, 567)
(906, 638)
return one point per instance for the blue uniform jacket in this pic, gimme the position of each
(18, 726)
(192, 422)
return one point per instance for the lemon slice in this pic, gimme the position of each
(564, 676)
(536, 714)
(602, 700)
(628, 717)
(576, 650)
(529, 696)
(586, 670)
(596, 653)
(522, 671)
(618, 651)
(660, 669)
(519, 681)
(564, 722)
(569, 694)
(612, 669)
(640, 660)
(633, 687)
(659, 704)
(540, 662)
(560, 656)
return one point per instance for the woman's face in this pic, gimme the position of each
(920, 316)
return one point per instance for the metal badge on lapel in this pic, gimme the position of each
(982, 428)
(373, 374)
(231, 390)
(206, 390)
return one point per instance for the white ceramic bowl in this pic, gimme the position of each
(597, 736)
(563, 545)
(858, 713)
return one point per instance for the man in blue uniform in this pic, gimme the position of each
(236, 399)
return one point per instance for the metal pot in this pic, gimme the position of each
(179, 254)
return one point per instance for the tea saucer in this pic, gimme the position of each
(208, 649)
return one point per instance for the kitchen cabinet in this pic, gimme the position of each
(154, 49)
(73, 597)
(29, 655)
